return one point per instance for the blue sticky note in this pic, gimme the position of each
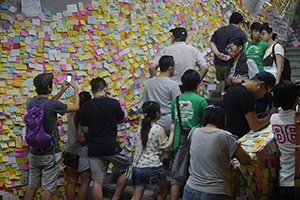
(80, 51)
(33, 38)
(64, 49)
(22, 38)
(4, 6)
(14, 165)
(124, 94)
(15, 121)
(25, 173)
(13, 109)
(25, 60)
(16, 39)
(52, 46)
(46, 49)
(60, 26)
(109, 59)
(147, 75)
(140, 90)
(34, 51)
(47, 12)
(11, 154)
(103, 22)
(127, 125)
(88, 27)
(10, 70)
(6, 64)
(92, 19)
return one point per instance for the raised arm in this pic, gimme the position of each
(64, 87)
(75, 106)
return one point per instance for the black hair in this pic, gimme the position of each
(238, 41)
(285, 93)
(83, 97)
(180, 39)
(190, 80)
(165, 62)
(214, 114)
(236, 18)
(269, 30)
(97, 84)
(150, 109)
(44, 90)
(256, 26)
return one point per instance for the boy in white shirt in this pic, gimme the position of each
(283, 126)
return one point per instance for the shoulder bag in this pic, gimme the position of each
(180, 168)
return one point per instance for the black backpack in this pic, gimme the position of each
(286, 72)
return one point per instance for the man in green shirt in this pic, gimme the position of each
(191, 107)
(256, 48)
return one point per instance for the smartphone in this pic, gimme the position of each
(69, 78)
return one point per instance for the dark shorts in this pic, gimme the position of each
(143, 176)
(221, 72)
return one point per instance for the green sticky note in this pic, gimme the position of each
(4, 16)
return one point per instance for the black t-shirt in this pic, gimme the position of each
(238, 101)
(101, 138)
(221, 36)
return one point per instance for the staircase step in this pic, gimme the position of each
(292, 53)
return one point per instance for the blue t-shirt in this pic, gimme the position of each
(221, 36)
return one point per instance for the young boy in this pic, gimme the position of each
(192, 107)
(283, 126)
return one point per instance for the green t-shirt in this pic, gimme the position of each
(192, 107)
(256, 52)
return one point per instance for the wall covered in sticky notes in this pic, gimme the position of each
(111, 39)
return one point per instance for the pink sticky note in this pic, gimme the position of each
(59, 78)
(296, 43)
(26, 166)
(121, 139)
(63, 67)
(13, 184)
(118, 62)
(19, 101)
(40, 15)
(31, 45)
(291, 29)
(95, 72)
(20, 17)
(1, 129)
(32, 60)
(23, 33)
(10, 42)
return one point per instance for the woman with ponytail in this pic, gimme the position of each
(76, 145)
(149, 142)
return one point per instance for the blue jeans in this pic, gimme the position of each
(191, 194)
(143, 176)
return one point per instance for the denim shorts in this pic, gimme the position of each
(191, 194)
(143, 176)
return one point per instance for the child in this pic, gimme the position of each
(283, 126)
(149, 142)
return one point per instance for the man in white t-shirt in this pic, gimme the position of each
(185, 56)
(283, 126)
(162, 90)
(271, 66)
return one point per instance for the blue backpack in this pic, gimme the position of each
(35, 134)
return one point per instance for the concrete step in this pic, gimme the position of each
(292, 53)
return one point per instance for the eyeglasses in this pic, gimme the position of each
(228, 49)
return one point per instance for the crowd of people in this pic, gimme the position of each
(171, 107)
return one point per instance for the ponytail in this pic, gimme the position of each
(150, 110)
(146, 126)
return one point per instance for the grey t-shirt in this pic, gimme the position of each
(209, 162)
(51, 110)
(162, 90)
(252, 70)
(73, 145)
